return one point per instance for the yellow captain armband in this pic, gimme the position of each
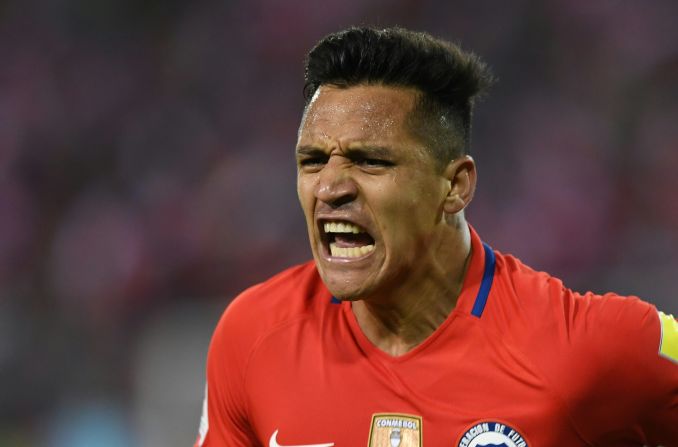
(668, 345)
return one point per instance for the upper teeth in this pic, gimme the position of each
(341, 227)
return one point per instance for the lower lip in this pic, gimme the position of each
(328, 256)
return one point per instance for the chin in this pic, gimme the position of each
(340, 291)
(346, 279)
(342, 288)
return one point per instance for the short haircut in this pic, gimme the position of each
(448, 79)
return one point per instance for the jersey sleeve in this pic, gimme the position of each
(225, 419)
(662, 425)
(614, 362)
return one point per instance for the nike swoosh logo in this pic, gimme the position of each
(273, 442)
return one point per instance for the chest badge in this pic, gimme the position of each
(395, 430)
(492, 434)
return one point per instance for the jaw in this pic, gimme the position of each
(349, 278)
(347, 254)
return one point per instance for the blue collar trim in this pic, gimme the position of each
(486, 284)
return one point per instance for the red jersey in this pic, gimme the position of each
(520, 361)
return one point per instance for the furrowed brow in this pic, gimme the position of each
(356, 151)
(370, 151)
(309, 151)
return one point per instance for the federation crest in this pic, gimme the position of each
(492, 434)
(395, 430)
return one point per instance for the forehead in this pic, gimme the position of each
(364, 112)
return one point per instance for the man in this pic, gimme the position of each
(408, 330)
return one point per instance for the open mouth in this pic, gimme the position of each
(346, 240)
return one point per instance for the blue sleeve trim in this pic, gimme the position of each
(486, 284)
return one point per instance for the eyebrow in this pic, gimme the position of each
(370, 151)
(367, 150)
(309, 150)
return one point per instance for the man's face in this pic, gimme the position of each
(371, 193)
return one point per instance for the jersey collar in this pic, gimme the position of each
(479, 278)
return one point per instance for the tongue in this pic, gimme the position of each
(352, 240)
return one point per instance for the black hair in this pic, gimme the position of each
(448, 78)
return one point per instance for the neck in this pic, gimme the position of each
(403, 317)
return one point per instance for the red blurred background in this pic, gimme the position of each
(147, 176)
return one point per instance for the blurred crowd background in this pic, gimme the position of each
(147, 176)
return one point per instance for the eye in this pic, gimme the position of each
(312, 162)
(374, 162)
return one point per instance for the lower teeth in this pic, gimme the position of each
(350, 252)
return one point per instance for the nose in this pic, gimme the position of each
(336, 185)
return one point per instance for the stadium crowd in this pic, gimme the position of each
(147, 175)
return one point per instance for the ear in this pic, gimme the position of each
(461, 174)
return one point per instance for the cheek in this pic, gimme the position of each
(412, 213)
(305, 193)
(397, 219)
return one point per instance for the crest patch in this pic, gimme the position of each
(395, 430)
(492, 434)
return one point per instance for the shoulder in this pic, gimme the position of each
(537, 299)
(258, 312)
(249, 318)
(563, 331)
(291, 294)
(523, 297)
(590, 347)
